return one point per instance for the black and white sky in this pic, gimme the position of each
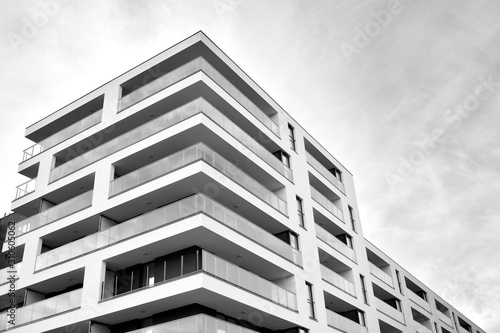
(405, 93)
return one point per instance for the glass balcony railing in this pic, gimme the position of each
(55, 213)
(62, 135)
(237, 276)
(337, 280)
(335, 243)
(187, 156)
(164, 216)
(444, 318)
(6, 273)
(380, 274)
(389, 310)
(198, 64)
(43, 309)
(161, 123)
(200, 323)
(324, 172)
(247, 280)
(25, 188)
(419, 328)
(327, 204)
(463, 330)
(342, 323)
(419, 300)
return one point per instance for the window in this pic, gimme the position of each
(283, 157)
(310, 300)
(337, 173)
(362, 319)
(294, 240)
(291, 134)
(399, 282)
(351, 215)
(363, 288)
(300, 212)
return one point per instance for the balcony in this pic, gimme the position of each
(324, 172)
(444, 318)
(389, 310)
(420, 301)
(419, 328)
(335, 243)
(198, 323)
(463, 330)
(198, 64)
(62, 135)
(327, 204)
(55, 213)
(25, 188)
(380, 274)
(161, 123)
(342, 323)
(43, 309)
(198, 152)
(163, 216)
(6, 272)
(337, 281)
(232, 274)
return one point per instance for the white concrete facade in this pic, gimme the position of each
(162, 202)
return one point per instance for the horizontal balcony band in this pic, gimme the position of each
(327, 204)
(159, 124)
(389, 311)
(324, 172)
(190, 155)
(62, 135)
(55, 213)
(234, 275)
(198, 323)
(43, 309)
(335, 243)
(342, 323)
(188, 69)
(380, 274)
(337, 281)
(163, 216)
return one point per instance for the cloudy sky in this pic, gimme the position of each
(406, 94)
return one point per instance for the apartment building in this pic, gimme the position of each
(180, 197)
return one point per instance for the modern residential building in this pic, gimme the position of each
(180, 197)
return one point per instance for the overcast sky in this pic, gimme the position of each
(405, 94)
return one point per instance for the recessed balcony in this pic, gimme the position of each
(326, 203)
(325, 172)
(335, 243)
(343, 324)
(337, 280)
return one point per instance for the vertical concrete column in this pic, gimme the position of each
(91, 293)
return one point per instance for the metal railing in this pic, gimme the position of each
(335, 243)
(25, 188)
(326, 203)
(176, 75)
(324, 172)
(337, 280)
(62, 135)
